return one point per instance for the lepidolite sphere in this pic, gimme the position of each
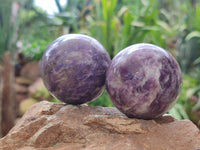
(74, 68)
(144, 81)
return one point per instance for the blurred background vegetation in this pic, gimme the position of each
(173, 25)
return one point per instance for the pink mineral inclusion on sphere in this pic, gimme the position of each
(144, 81)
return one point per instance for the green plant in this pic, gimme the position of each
(188, 101)
(103, 24)
(118, 27)
(188, 44)
(44, 94)
(73, 15)
(41, 32)
(103, 100)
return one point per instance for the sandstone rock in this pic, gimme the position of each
(57, 126)
(31, 71)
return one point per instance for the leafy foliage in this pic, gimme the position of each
(37, 32)
(188, 102)
(118, 27)
(103, 100)
(188, 44)
(44, 94)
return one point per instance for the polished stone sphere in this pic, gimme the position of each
(144, 81)
(74, 67)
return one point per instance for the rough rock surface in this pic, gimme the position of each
(58, 126)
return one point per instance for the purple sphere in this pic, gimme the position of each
(144, 81)
(74, 68)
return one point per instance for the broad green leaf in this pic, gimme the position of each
(173, 111)
(192, 91)
(137, 24)
(192, 35)
(164, 25)
(197, 61)
(198, 16)
(122, 11)
(181, 111)
(104, 6)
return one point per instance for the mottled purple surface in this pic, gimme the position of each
(144, 81)
(74, 67)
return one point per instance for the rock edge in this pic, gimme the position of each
(47, 126)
